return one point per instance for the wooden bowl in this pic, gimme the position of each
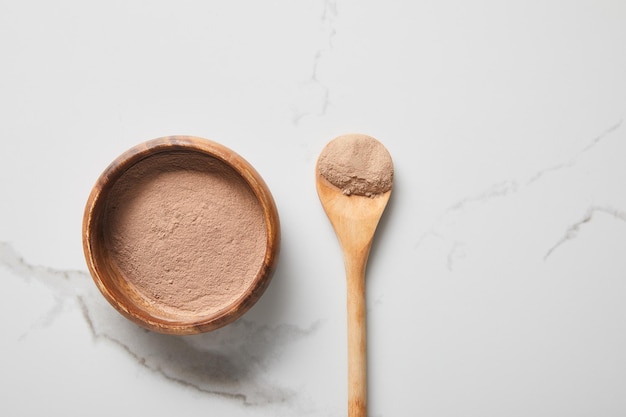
(135, 302)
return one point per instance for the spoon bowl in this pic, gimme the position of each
(354, 218)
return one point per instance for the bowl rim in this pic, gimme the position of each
(92, 221)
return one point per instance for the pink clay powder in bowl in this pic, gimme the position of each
(181, 235)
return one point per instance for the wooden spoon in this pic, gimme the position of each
(354, 219)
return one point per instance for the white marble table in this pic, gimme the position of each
(497, 282)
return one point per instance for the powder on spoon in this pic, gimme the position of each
(357, 164)
(186, 232)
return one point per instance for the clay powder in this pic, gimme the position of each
(186, 232)
(357, 164)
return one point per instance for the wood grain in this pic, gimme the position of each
(113, 285)
(354, 219)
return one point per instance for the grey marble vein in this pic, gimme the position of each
(602, 136)
(314, 86)
(501, 189)
(456, 252)
(573, 230)
(512, 186)
(571, 162)
(539, 174)
(232, 362)
(329, 14)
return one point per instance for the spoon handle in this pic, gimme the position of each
(357, 336)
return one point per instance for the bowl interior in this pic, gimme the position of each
(181, 235)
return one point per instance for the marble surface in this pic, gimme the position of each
(497, 281)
